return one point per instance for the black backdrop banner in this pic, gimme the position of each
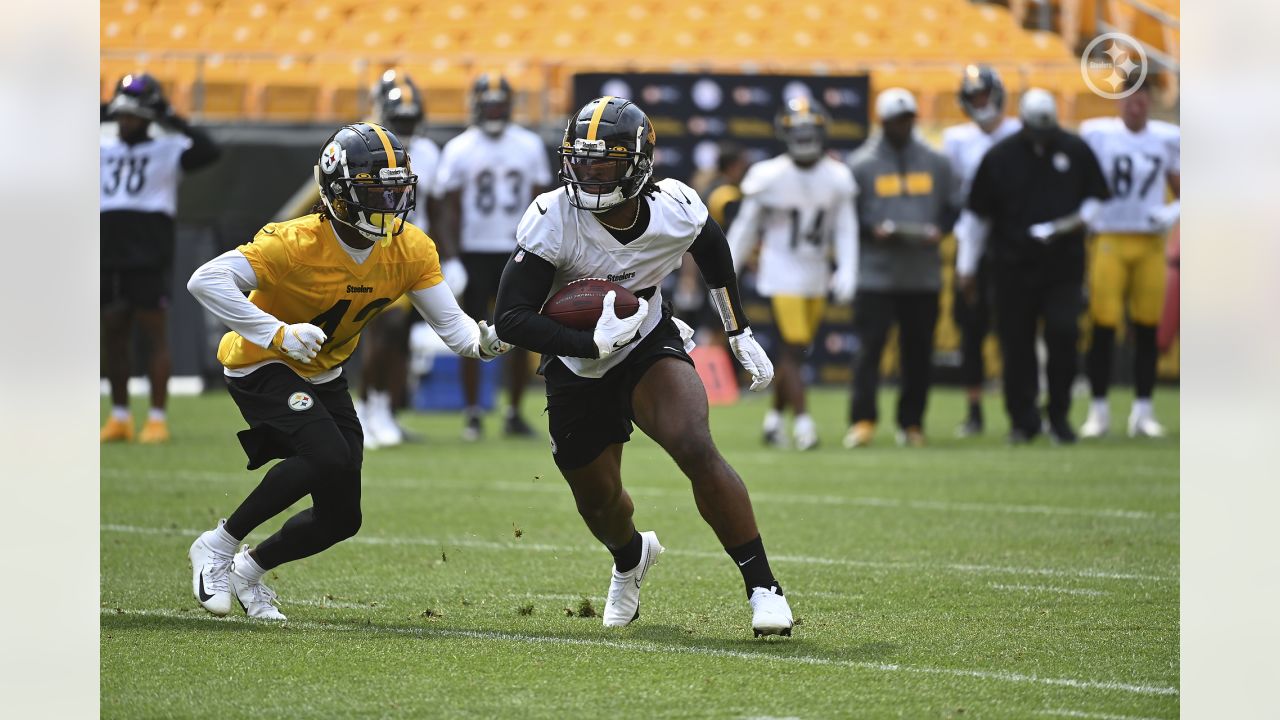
(692, 113)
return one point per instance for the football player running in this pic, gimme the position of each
(799, 205)
(610, 219)
(487, 176)
(982, 97)
(140, 172)
(1140, 157)
(314, 282)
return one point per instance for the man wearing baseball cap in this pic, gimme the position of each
(905, 205)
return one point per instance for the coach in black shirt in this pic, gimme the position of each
(1034, 192)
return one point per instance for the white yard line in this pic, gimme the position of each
(1090, 715)
(1047, 589)
(652, 647)
(798, 559)
(552, 485)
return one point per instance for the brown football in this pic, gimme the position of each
(579, 304)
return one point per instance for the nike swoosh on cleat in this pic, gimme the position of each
(621, 344)
(204, 597)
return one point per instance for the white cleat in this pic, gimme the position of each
(209, 575)
(366, 426)
(1096, 425)
(770, 613)
(623, 603)
(258, 600)
(805, 434)
(1144, 426)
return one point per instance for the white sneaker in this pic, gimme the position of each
(805, 433)
(1144, 425)
(381, 421)
(623, 603)
(209, 574)
(770, 613)
(258, 600)
(366, 426)
(1097, 424)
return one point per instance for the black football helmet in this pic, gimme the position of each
(607, 153)
(366, 182)
(491, 103)
(137, 94)
(398, 102)
(981, 94)
(801, 125)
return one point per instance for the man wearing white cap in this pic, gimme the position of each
(905, 205)
(1033, 195)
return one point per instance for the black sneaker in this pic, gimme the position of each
(515, 426)
(1019, 436)
(972, 425)
(1060, 432)
(473, 430)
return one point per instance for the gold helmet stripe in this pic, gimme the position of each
(491, 79)
(594, 127)
(386, 144)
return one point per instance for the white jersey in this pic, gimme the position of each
(801, 216)
(424, 156)
(497, 177)
(966, 144)
(142, 177)
(579, 247)
(1136, 166)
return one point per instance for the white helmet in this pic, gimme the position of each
(893, 102)
(1038, 109)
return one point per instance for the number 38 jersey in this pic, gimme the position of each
(497, 177)
(142, 177)
(304, 276)
(797, 213)
(1136, 165)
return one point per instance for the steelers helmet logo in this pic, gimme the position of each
(329, 158)
(300, 401)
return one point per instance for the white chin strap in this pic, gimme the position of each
(804, 151)
(984, 115)
(603, 202)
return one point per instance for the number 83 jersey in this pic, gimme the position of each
(1136, 165)
(497, 177)
(304, 276)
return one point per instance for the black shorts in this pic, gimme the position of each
(132, 239)
(277, 402)
(484, 271)
(586, 415)
(145, 288)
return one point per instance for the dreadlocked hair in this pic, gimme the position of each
(319, 209)
(650, 187)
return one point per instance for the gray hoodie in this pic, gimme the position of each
(914, 187)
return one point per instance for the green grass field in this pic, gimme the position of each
(965, 580)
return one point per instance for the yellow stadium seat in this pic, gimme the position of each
(247, 11)
(116, 33)
(234, 37)
(287, 89)
(319, 14)
(344, 89)
(124, 9)
(425, 39)
(223, 88)
(167, 34)
(298, 39)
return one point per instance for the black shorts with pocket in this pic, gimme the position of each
(276, 402)
(586, 415)
(484, 272)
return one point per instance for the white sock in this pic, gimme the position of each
(220, 540)
(247, 568)
(1099, 406)
(120, 412)
(804, 424)
(772, 420)
(156, 414)
(1142, 407)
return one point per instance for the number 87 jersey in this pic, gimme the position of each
(1136, 165)
(800, 216)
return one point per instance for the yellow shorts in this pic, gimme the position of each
(1127, 266)
(798, 317)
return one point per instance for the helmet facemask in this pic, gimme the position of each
(982, 95)
(599, 178)
(805, 142)
(377, 209)
(493, 111)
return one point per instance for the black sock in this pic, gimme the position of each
(628, 556)
(1145, 357)
(975, 410)
(1101, 350)
(754, 565)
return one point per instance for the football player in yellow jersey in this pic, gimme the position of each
(314, 283)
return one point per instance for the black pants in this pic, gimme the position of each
(873, 314)
(974, 321)
(1020, 307)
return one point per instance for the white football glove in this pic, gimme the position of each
(491, 346)
(686, 334)
(301, 341)
(1165, 216)
(455, 274)
(753, 359)
(1042, 232)
(843, 286)
(613, 333)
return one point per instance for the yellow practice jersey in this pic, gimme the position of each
(304, 276)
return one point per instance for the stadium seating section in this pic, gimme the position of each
(295, 61)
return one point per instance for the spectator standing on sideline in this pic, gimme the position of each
(982, 97)
(905, 205)
(1033, 195)
(140, 173)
